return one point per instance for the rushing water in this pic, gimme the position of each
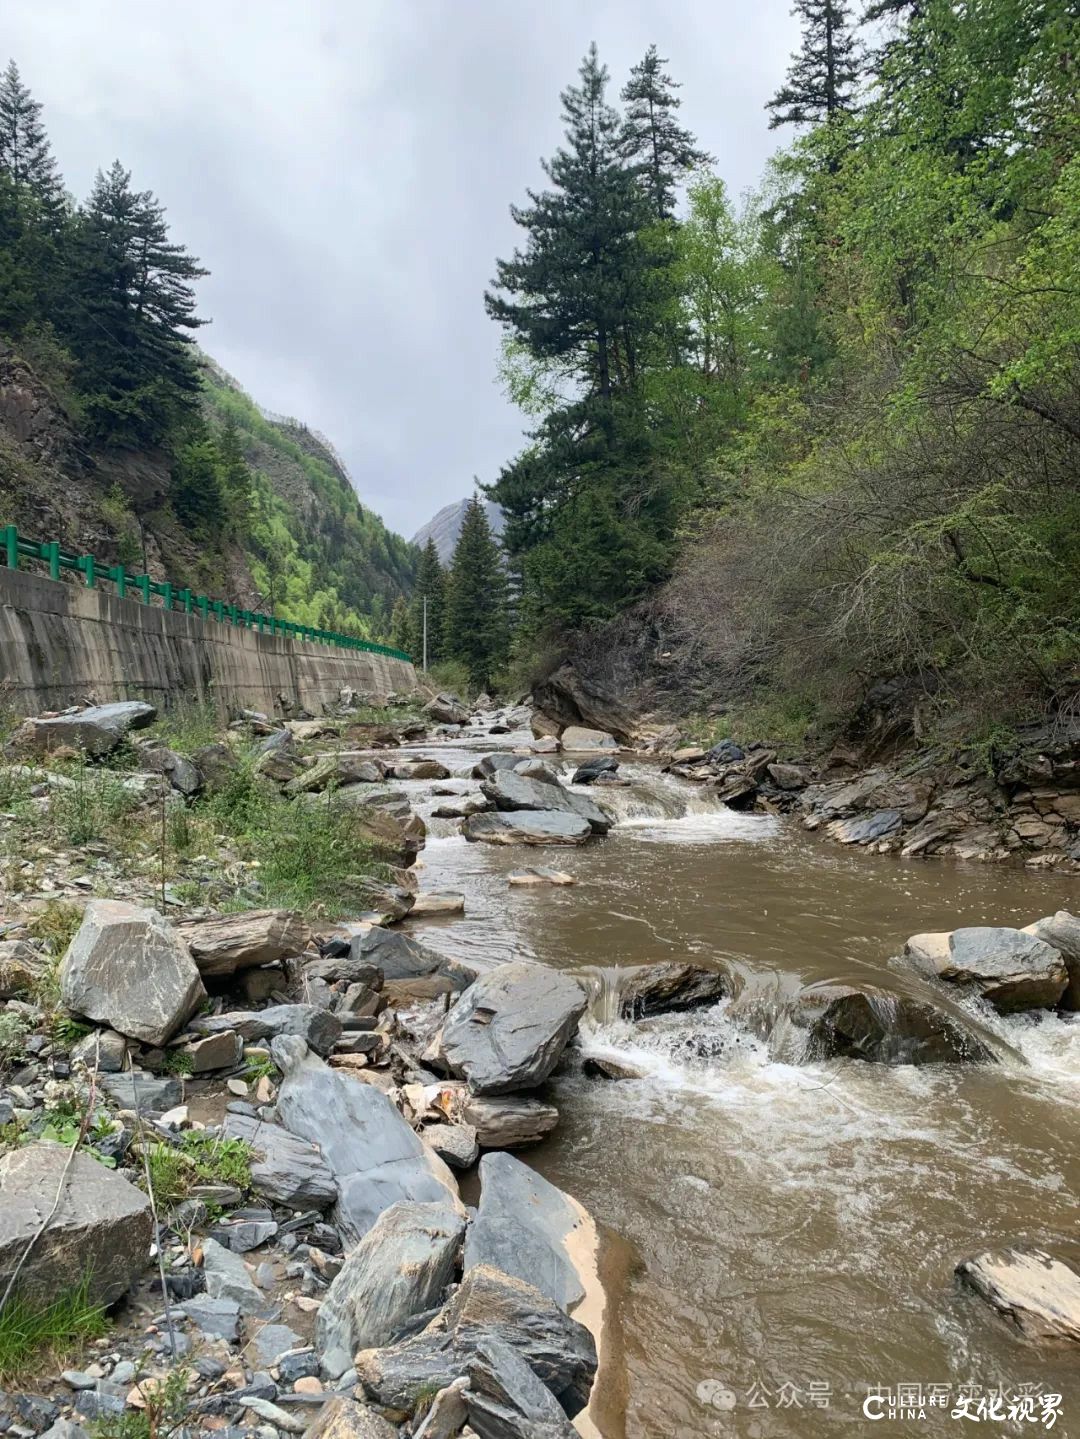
(789, 1233)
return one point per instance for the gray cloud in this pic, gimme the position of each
(344, 168)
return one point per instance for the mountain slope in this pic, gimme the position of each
(445, 527)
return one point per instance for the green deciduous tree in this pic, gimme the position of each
(476, 626)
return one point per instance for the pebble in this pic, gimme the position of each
(238, 1087)
(124, 1372)
(78, 1379)
(309, 1384)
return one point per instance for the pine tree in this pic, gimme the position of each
(25, 152)
(129, 307)
(476, 627)
(236, 481)
(824, 72)
(401, 631)
(430, 585)
(653, 140)
(196, 491)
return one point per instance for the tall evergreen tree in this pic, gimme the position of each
(130, 307)
(430, 586)
(236, 482)
(653, 141)
(401, 631)
(824, 72)
(477, 632)
(25, 152)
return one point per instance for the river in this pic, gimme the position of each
(784, 1237)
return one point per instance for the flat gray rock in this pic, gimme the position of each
(144, 1093)
(227, 1277)
(97, 730)
(317, 1027)
(661, 988)
(127, 968)
(399, 1269)
(1036, 1292)
(102, 1227)
(343, 1418)
(229, 942)
(220, 1318)
(402, 959)
(1010, 969)
(523, 1227)
(505, 1399)
(284, 1169)
(375, 1157)
(511, 790)
(509, 1029)
(508, 1121)
(535, 827)
(269, 1342)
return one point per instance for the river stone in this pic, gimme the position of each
(866, 830)
(343, 1418)
(510, 790)
(127, 968)
(102, 1227)
(229, 942)
(429, 902)
(342, 768)
(527, 827)
(318, 1028)
(375, 1157)
(491, 764)
(509, 1029)
(881, 1027)
(402, 960)
(508, 1121)
(96, 730)
(101, 1049)
(575, 737)
(539, 876)
(227, 1277)
(447, 709)
(1062, 930)
(660, 988)
(418, 769)
(1036, 1292)
(522, 1227)
(1010, 969)
(21, 969)
(592, 769)
(284, 1169)
(144, 1093)
(399, 1269)
(456, 1144)
(505, 1399)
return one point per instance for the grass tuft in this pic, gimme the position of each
(33, 1337)
(200, 1158)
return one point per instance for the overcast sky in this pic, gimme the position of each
(344, 169)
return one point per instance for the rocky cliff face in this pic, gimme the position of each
(445, 527)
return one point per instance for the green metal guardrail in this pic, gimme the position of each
(142, 587)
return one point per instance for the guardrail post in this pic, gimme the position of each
(52, 554)
(11, 546)
(88, 566)
(166, 596)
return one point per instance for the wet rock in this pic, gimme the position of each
(868, 830)
(510, 790)
(97, 730)
(491, 764)
(525, 1227)
(127, 968)
(428, 903)
(1062, 931)
(101, 1049)
(661, 988)
(182, 775)
(547, 744)
(230, 942)
(227, 1277)
(592, 769)
(266, 1346)
(336, 770)
(401, 960)
(604, 1066)
(447, 709)
(789, 776)
(456, 1144)
(21, 969)
(539, 876)
(508, 1121)
(344, 1418)
(399, 1269)
(102, 1226)
(284, 1169)
(509, 1029)
(577, 738)
(375, 1157)
(462, 806)
(216, 1051)
(144, 1093)
(1010, 969)
(527, 827)
(881, 1027)
(505, 1399)
(419, 769)
(318, 1028)
(1036, 1292)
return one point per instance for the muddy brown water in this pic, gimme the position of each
(787, 1235)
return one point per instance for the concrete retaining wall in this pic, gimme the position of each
(61, 645)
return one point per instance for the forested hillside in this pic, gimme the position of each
(118, 436)
(830, 433)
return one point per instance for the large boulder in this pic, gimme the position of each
(511, 790)
(284, 1169)
(228, 942)
(1010, 969)
(577, 739)
(527, 1227)
(506, 1399)
(876, 1025)
(399, 1269)
(335, 770)
(447, 709)
(318, 1028)
(592, 769)
(491, 764)
(97, 730)
(508, 1121)
(343, 1418)
(509, 1029)
(182, 775)
(128, 968)
(660, 988)
(375, 1157)
(404, 961)
(1062, 930)
(1036, 1292)
(102, 1227)
(527, 827)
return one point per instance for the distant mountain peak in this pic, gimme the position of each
(445, 527)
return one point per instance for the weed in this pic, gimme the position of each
(31, 1336)
(175, 1062)
(200, 1158)
(13, 1031)
(91, 806)
(188, 727)
(65, 1031)
(261, 1066)
(55, 925)
(14, 785)
(164, 1410)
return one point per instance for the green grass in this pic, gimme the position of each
(165, 1411)
(13, 1031)
(55, 925)
(34, 1337)
(200, 1158)
(261, 1066)
(188, 727)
